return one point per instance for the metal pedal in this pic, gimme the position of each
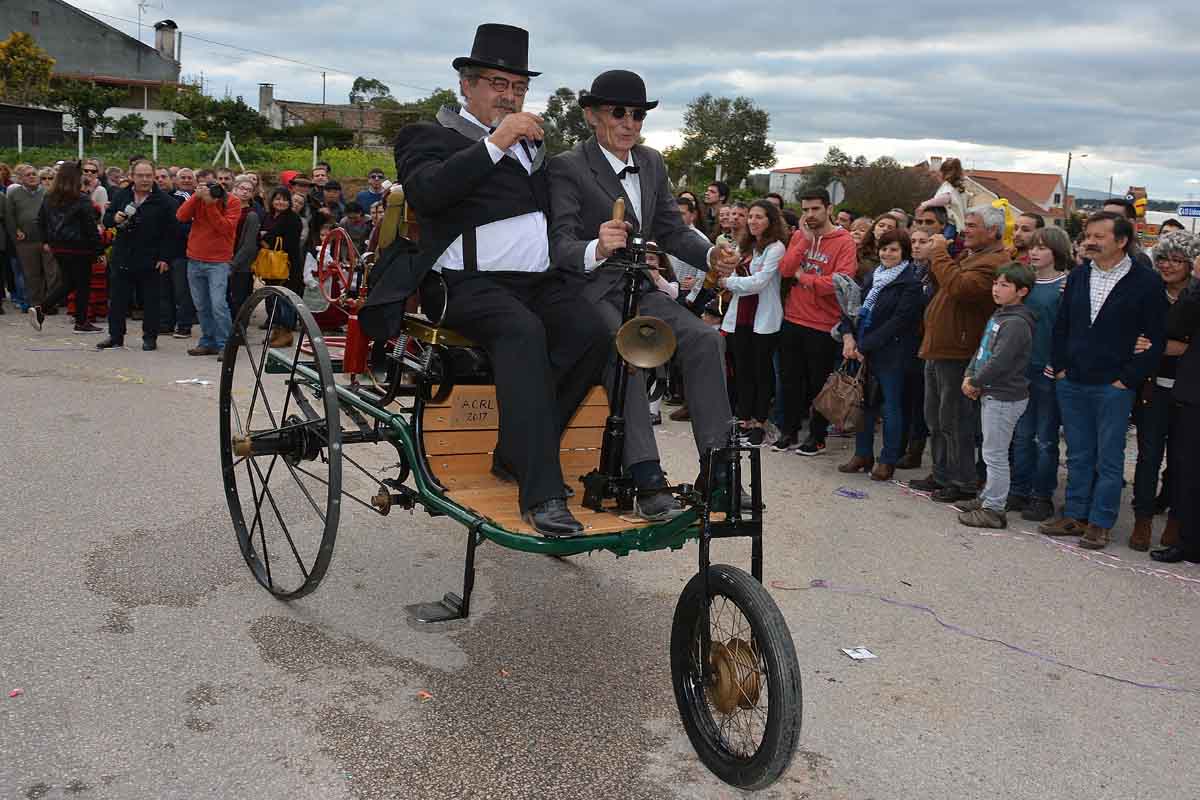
(445, 610)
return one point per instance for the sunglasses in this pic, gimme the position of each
(90, 171)
(638, 114)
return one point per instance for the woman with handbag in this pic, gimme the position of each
(754, 316)
(281, 231)
(70, 230)
(883, 341)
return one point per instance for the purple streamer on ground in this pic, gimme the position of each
(821, 583)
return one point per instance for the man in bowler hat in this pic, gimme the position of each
(584, 182)
(476, 180)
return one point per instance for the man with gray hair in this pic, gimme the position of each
(954, 322)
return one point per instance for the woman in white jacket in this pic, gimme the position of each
(754, 316)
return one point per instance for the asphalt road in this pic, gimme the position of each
(151, 665)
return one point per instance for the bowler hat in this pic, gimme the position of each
(502, 47)
(617, 87)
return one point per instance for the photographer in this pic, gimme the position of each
(214, 216)
(144, 217)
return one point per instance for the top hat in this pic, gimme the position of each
(617, 87)
(502, 47)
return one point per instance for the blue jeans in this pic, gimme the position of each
(1095, 419)
(209, 282)
(18, 292)
(777, 414)
(891, 385)
(1035, 443)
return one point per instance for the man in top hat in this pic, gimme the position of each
(476, 181)
(584, 182)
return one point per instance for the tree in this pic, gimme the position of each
(369, 90)
(129, 127)
(86, 103)
(885, 184)
(422, 110)
(213, 117)
(836, 164)
(564, 125)
(732, 133)
(24, 70)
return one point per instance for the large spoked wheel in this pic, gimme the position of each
(743, 717)
(281, 449)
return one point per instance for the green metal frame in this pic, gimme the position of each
(672, 534)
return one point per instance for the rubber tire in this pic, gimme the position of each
(785, 709)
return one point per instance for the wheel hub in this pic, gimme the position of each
(735, 676)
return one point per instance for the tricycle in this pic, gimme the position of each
(288, 417)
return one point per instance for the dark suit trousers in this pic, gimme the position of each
(1185, 478)
(700, 354)
(121, 285)
(548, 348)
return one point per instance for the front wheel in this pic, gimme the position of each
(744, 716)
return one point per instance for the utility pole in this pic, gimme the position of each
(322, 95)
(1067, 185)
(1110, 183)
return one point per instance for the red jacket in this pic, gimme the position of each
(811, 302)
(214, 228)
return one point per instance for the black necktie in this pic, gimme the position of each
(626, 171)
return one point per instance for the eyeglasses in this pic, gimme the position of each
(87, 171)
(638, 114)
(502, 85)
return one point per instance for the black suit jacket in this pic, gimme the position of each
(583, 188)
(451, 182)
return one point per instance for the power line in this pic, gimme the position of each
(310, 65)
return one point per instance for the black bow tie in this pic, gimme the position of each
(626, 171)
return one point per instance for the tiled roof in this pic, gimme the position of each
(1018, 200)
(791, 170)
(1029, 184)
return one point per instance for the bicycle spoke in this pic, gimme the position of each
(287, 398)
(283, 526)
(258, 371)
(318, 479)
(304, 489)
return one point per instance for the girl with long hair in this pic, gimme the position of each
(71, 233)
(755, 315)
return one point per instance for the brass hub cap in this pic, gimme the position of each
(736, 679)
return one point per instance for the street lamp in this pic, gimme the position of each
(1067, 185)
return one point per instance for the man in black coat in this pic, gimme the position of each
(140, 253)
(476, 182)
(584, 182)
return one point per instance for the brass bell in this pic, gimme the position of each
(646, 342)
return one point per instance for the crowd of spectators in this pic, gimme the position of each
(175, 245)
(995, 343)
(999, 342)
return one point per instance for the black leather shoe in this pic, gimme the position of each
(149, 344)
(1173, 555)
(926, 484)
(108, 343)
(656, 505)
(552, 519)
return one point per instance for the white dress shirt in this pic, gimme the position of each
(1103, 282)
(516, 244)
(633, 188)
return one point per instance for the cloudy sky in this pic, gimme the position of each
(1012, 85)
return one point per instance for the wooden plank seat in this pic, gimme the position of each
(460, 436)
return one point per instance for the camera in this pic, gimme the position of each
(216, 191)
